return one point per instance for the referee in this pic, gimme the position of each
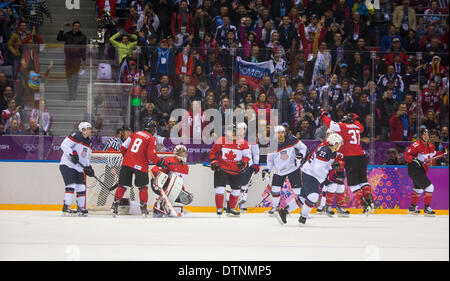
(113, 163)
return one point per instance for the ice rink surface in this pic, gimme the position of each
(47, 236)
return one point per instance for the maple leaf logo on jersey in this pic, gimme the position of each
(230, 155)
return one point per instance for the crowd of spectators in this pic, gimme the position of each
(388, 64)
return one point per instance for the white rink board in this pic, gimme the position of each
(46, 235)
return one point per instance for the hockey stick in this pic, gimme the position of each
(102, 183)
(436, 157)
(163, 193)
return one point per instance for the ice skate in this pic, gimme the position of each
(413, 210)
(281, 215)
(272, 211)
(219, 211)
(341, 212)
(242, 207)
(232, 212)
(115, 208)
(329, 211)
(428, 212)
(320, 211)
(144, 210)
(81, 212)
(302, 220)
(67, 211)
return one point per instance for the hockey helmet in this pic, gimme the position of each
(279, 129)
(180, 152)
(334, 138)
(348, 118)
(150, 127)
(242, 125)
(83, 126)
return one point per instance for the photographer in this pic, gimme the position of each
(106, 28)
(148, 23)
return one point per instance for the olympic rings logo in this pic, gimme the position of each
(30, 147)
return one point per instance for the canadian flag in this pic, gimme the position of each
(231, 154)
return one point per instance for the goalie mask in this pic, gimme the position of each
(180, 152)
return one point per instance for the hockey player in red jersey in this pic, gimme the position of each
(137, 151)
(229, 156)
(176, 165)
(417, 156)
(355, 159)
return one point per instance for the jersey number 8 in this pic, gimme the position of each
(136, 144)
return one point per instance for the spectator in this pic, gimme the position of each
(208, 43)
(399, 126)
(430, 120)
(74, 54)
(163, 61)
(288, 34)
(34, 14)
(13, 128)
(261, 104)
(368, 134)
(125, 46)
(7, 94)
(386, 108)
(432, 12)
(391, 76)
(184, 63)
(395, 50)
(411, 43)
(355, 29)
(36, 114)
(182, 23)
(163, 9)
(404, 18)
(444, 134)
(425, 41)
(222, 88)
(202, 88)
(304, 132)
(165, 104)
(202, 24)
(12, 112)
(388, 39)
(431, 98)
(15, 47)
(362, 106)
(216, 74)
(149, 114)
(393, 158)
(310, 35)
(167, 131)
(296, 110)
(34, 128)
(132, 21)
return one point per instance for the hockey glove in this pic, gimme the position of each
(74, 158)
(255, 168)
(162, 164)
(241, 165)
(89, 171)
(323, 113)
(265, 174)
(215, 166)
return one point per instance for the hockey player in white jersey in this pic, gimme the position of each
(314, 172)
(77, 149)
(285, 163)
(253, 166)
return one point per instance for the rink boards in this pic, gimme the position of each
(38, 185)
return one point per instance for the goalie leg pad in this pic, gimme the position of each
(185, 198)
(174, 187)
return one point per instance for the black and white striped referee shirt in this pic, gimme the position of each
(113, 143)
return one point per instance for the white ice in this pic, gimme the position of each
(47, 236)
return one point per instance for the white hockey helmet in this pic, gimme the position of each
(242, 125)
(180, 152)
(279, 129)
(334, 138)
(329, 131)
(83, 126)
